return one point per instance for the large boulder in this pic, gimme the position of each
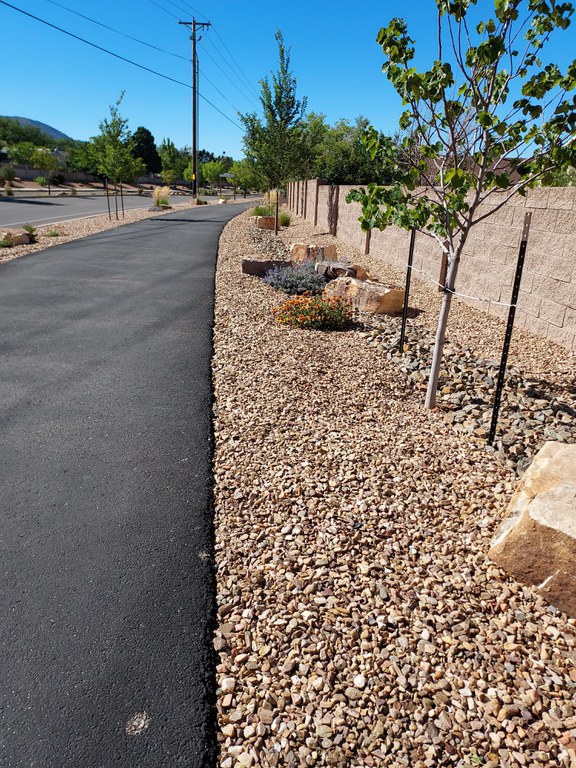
(367, 295)
(15, 235)
(333, 269)
(259, 267)
(265, 222)
(300, 252)
(536, 544)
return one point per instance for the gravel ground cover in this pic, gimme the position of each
(360, 623)
(73, 229)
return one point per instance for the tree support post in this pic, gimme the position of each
(407, 291)
(509, 327)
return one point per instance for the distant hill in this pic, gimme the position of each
(47, 129)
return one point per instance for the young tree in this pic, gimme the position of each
(173, 159)
(43, 158)
(211, 171)
(244, 175)
(113, 152)
(275, 144)
(486, 121)
(145, 148)
(22, 154)
(339, 155)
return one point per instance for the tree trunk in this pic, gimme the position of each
(430, 401)
(116, 200)
(122, 198)
(108, 199)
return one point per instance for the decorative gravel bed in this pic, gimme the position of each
(360, 623)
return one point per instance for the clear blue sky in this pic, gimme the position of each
(61, 81)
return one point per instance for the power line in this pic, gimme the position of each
(236, 63)
(194, 10)
(164, 9)
(117, 56)
(117, 31)
(226, 75)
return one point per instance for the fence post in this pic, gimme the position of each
(316, 203)
(305, 198)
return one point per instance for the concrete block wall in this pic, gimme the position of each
(547, 300)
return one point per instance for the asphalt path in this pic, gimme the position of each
(107, 587)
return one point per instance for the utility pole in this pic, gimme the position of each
(194, 26)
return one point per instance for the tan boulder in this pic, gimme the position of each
(301, 252)
(536, 544)
(15, 235)
(361, 273)
(265, 222)
(367, 295)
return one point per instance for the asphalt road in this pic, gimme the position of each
(16, 211)
(107, 587)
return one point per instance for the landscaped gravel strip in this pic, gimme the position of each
(360, 623)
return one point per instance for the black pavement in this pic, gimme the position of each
(107, 588)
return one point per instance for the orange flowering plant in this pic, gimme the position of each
(316, 312)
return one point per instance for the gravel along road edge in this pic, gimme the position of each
(360, 623)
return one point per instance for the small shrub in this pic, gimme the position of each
(57, 179)
(9, 192)
(53, 233)
(31, 232)
(6, 243)
(8, 173)
(299, 279)
(42, 181)
(284, 219)
(314, 312)
(73, 191)
(263, 210)
(161, 195)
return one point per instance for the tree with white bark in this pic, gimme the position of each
(486, 121)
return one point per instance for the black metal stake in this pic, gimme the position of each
(407, 290)
(509, 327)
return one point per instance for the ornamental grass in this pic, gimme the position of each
(314, 312)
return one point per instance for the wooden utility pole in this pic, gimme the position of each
(194, 26)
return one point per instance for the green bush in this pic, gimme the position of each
(284, 219)
(31, 232)
(42, 181)
(73, 191)
(6, 243)
(53, 233)
(263, 210)
(8, 173)
(9, 192)
(314, 312)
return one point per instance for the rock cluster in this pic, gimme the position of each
(359, 621)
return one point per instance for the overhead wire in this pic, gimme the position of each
(250, 86)
(121, 58)
(117, 31)
(209, 55)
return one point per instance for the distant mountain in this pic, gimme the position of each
(47, 129)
